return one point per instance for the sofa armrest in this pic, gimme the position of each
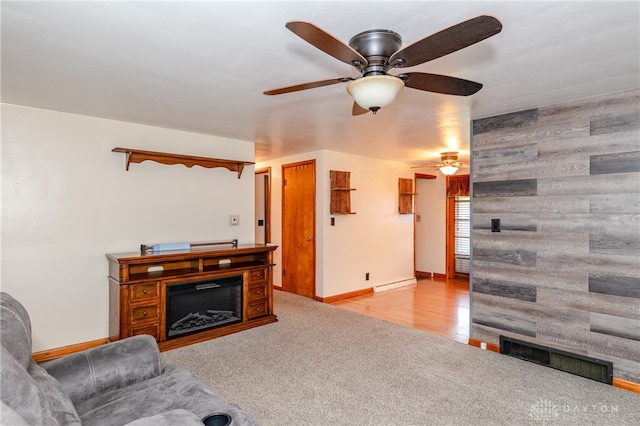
(88, 373)
(169, 418)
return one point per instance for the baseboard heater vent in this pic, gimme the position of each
(580, 365)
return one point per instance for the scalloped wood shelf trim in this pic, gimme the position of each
(138, 156)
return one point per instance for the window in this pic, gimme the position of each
(463, 233)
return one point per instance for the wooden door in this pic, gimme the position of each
(298, 228)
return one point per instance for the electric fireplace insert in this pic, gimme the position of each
(200, 305)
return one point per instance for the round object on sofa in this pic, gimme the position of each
(217, 419)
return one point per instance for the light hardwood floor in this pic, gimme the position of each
(435, 305)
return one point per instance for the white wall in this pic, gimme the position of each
(377, 239)
(431, 235)
(67, 200)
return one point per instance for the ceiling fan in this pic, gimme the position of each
(373, 53)
(448, 165)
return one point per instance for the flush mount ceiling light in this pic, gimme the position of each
(449, 163)
(375, 91)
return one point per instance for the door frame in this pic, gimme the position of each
(267, 215)
(451, 232)
(313, 214)
(417, 176)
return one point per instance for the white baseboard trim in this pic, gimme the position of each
(395, 284)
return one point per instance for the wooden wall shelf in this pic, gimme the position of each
(138, 156)
(340, 192)
(405, 190)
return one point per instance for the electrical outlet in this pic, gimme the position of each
(366, 276)
(234, 219)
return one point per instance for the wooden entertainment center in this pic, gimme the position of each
(138, 285)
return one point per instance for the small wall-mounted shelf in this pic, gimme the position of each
(138, 156)
(405, 202)
(340, 192)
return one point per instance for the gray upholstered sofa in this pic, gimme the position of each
(118, 383)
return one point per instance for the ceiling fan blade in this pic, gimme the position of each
(327, 43)
(306, 86)
(446, 41)
(440, 84)
(358, 110)
(430, 166)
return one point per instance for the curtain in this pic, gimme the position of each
(458, 186)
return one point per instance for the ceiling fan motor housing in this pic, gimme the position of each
(449, 156)
(376, 46)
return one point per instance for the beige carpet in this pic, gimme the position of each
(323, 365)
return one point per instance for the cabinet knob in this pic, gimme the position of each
(144, 314)
(144, 291)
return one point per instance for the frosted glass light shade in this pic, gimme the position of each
(375, 91)
(448, 170)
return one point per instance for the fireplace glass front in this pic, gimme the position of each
(200, 305)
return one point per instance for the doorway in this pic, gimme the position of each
(263, 206)
(441, 296)
(298, 228)
(458, 227)
(430, 226)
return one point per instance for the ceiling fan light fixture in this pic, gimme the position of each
(449, 164)
(448, 170)
(375, 91)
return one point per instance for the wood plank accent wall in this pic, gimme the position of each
(565, 269)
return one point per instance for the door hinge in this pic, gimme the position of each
(284, 182)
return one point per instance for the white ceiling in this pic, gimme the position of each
(202, 67)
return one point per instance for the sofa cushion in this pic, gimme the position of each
(175, 388)
(15, 329)
(61, 406)
(8, 416)
(19, 391)
(34, 395)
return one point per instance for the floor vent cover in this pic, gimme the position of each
(580, 365)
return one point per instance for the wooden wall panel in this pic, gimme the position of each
(608, 124)
(514, 120)
(565, 269)
(506, 188)
(627, 328)
(620, 162)
(615, 285)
